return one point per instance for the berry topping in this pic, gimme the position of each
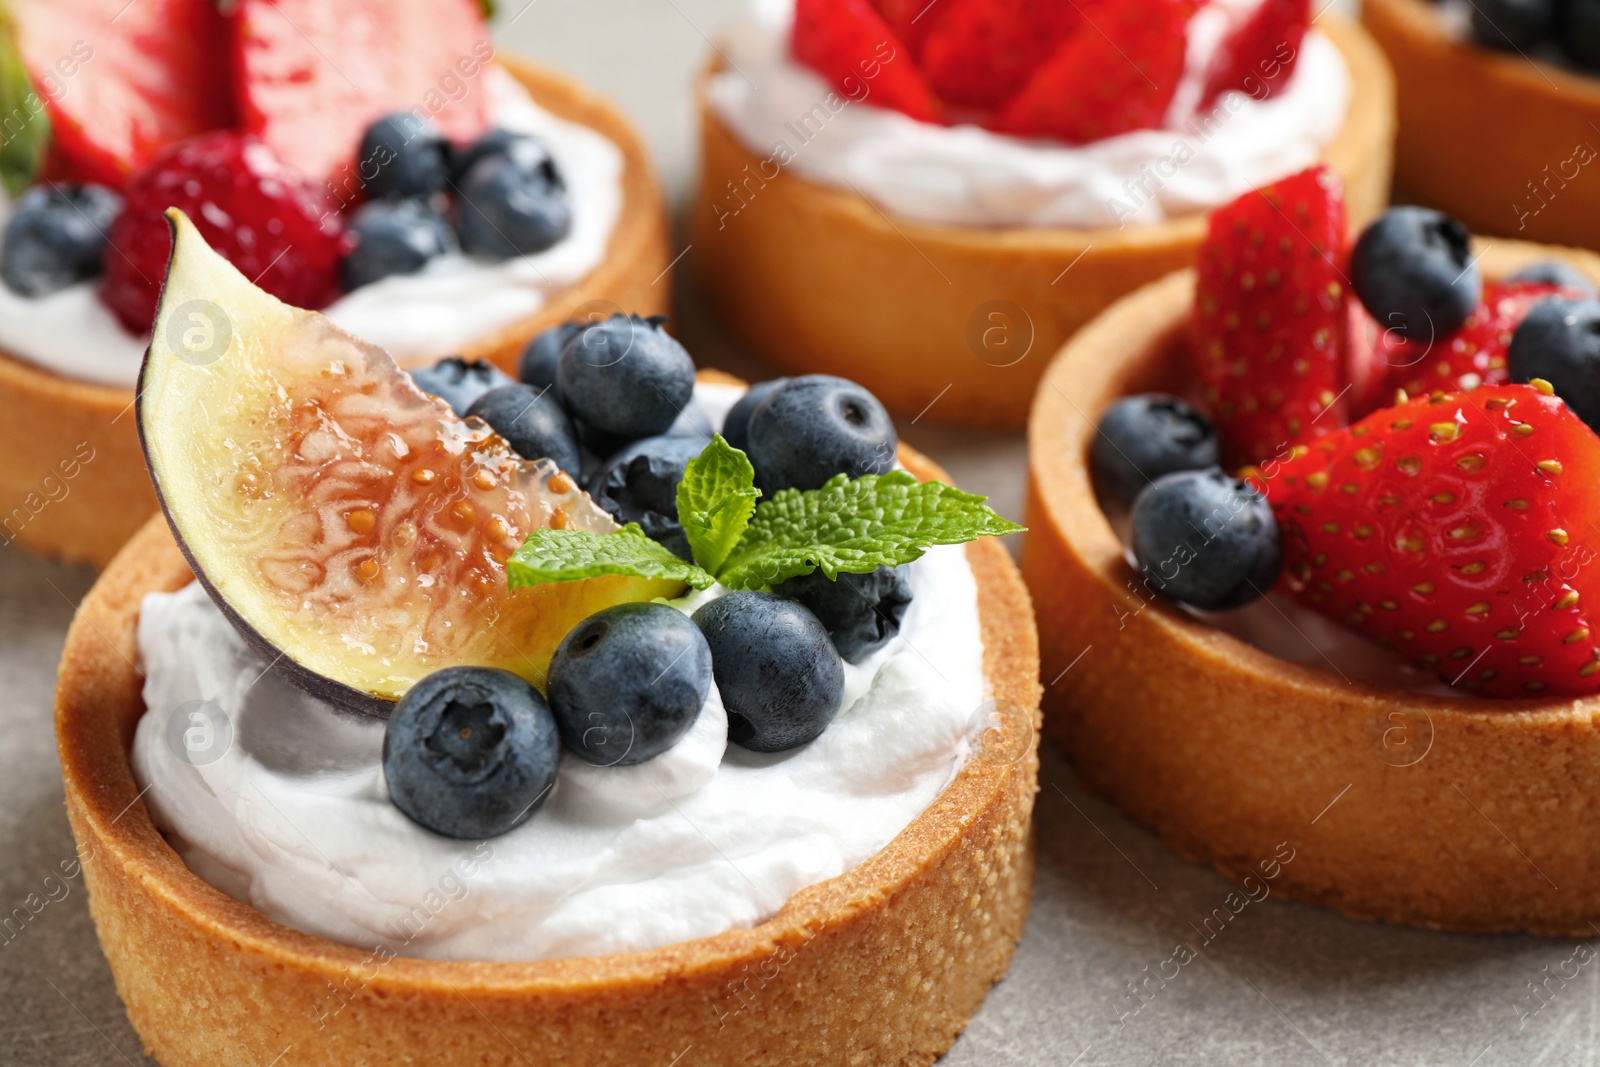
(849, 44)
(512, 206)
(736, 426)
(1512, 25)
(1556, 272)
(393, 237)
(777, 670)
(1259, 56)
(816, 427)
(978, 53)
(1414, 272)
(628, 683)
(640, 484)
(1267, 335)
(1559, 342)
(531, 422)
(459, 382)
(861, 612)
(55, 237)
(541, 359)
(1206, 539)
(1140, 438)
(403, 155)
(1455, 530)
(524, 148)
(470, 752)
(263, 217)
(626, 376)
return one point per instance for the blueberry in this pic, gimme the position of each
(626, 376)
(510, 207)
(393, 237)
(542, 356)
(1579, 32)
(627, 683)
(403, 155)
(532, 422)
(1206, 539)
(470, 752)
(1140, 438)
(779, 675)
(815, 427)
(1512, 25)
(1414, 272)
(861, 612)
(525, 148)
(1559, 341)
(56, 237)
(640, 484)
(736, 427)
(1556, 272)
(458, 382)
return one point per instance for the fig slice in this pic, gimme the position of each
(351, 527)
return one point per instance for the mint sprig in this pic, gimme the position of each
(847, 526)
(27, 130)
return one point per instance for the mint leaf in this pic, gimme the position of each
(573, 555)
(715, 501)
(855, 526)
(27, 128)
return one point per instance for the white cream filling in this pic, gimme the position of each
(967, 176)
(453, 301)
(294, 819)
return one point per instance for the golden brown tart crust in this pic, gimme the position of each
(819, 280)
(1463, 814)
(82, 509)
(882, 965)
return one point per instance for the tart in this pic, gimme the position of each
(1390, 803)
(73, 477)
(1543, 114)
(950, 319)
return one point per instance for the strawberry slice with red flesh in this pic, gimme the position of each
(980, 52)
(1117, 74)
(1259, 56)
(312, 76)
(910, 19)
(121, 81)
(1459, 530)
(850, 44)
(1267, 335)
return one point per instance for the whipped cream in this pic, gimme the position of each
(292, 815)
(451, 302)
(965, 175)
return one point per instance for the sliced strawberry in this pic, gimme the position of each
(1119, 74)
(1260, 55)
(980, 52)
(1267, 335)
(850, 44)
(121, 81)
(910, 19)
(1460, 530)
(311, 75)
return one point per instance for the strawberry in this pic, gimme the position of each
(1260, 55)
(846, 41)
(1267, 335)
(980, 52)
(1459, 530)
(1118, 75)
(121, 81)
(312, 75)
(909, 19)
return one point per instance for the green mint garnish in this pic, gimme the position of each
(715, 501)
(849, 525)
(27, 130)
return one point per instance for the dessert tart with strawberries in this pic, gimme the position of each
(434, 198)
(392, 742)
(1530, 71)
(1302, 581)
(932, 199)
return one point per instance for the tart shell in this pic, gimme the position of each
(882, 965)
(1501, 142)
(71, 472)
(955, 322)
(1463, 814)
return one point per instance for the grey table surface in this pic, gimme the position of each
(1283, 983)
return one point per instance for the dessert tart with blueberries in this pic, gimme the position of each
(392, 742)
(1307, 584)
(436, 198)
(1529, 70)
(932, 199)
